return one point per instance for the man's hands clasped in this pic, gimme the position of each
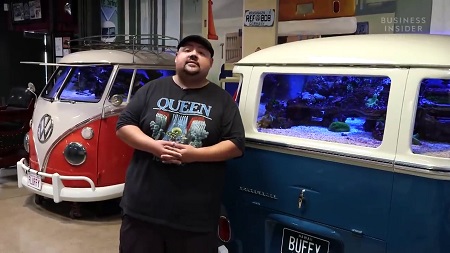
(175, 153)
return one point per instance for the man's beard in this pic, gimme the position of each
(189, 71)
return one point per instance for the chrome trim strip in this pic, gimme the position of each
(345, 65)
(407, 165)
(427, 171)
(332, 154)
(65, 134)
(113, 112)
(258, 192)
(422, 170)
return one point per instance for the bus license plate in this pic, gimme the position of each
(34, 181)
(297, 242)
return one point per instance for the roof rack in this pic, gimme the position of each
(153, 43)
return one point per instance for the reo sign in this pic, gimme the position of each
(259, 18)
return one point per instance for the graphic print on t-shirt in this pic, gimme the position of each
(180, 121)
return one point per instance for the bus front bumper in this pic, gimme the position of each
(32, 180)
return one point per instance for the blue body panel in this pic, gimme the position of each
(357, 209)
(420, 216)
(346, 204)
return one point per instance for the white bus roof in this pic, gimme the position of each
(107, 56)
(406, 50)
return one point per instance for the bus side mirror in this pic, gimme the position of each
(31, 87)
(116, 100)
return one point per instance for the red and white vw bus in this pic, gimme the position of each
(74, 154)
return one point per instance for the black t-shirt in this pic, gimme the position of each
(187, 196)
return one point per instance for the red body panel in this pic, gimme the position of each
(107, 156)
(58, 164)
(32, 157)
(113, 156)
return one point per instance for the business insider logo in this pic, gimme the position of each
(404, 24)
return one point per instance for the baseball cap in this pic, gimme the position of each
(198, 39)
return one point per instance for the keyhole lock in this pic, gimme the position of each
(301, 198)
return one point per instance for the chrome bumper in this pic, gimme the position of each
(58, 192)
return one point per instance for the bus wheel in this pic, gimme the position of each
(75, 211)
(38, 199)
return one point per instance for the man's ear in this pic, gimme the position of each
(211, 62)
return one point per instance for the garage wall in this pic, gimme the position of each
(440, 18)
(191, 17)
(14, 48)
(414, 9)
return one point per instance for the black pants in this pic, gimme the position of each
(137, 236)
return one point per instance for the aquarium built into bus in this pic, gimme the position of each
(88, 83)
(351, 110)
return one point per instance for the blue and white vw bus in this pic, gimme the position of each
(347, 149)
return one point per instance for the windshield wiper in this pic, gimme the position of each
(68, 100)
(49, 99)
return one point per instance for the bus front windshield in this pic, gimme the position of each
(79, 84)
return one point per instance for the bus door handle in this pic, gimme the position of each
(301, 197)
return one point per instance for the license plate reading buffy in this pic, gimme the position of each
(34, 181)
(297, 242)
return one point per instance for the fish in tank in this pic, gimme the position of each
(350, 110)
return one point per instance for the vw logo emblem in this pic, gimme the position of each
(45, 128)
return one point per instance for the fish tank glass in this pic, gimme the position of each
(124, 79)
(431, 135)
(346, 109)
(86, 84)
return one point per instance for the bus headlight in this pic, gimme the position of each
(75, 153)
(26, 143)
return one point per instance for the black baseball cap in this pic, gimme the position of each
(198, 39)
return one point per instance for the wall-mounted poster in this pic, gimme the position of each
(109, 20)
(26, 10)
(18, 12)
(35, 9)
(58, 46)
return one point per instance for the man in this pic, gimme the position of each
(183, 128)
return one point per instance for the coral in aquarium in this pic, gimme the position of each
(433, 112)
(320, 106)
(338, 126)
(322, 100)
(351, 110)
(275, 116)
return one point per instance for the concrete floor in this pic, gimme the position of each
(26, 227)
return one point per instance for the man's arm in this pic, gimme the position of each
(231, 146)
(135, 138)
(129, 131)
(127, 128)
(221, 151)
